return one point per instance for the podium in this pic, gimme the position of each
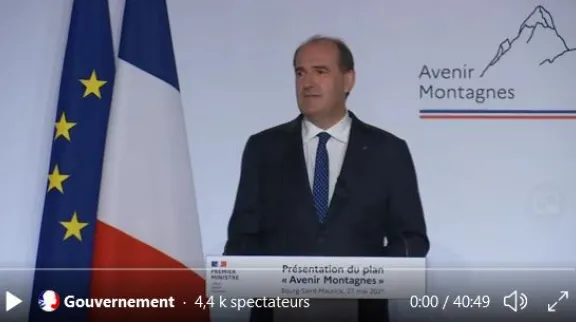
(248, 277)
(304, 288)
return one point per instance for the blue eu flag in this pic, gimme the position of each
(69, 219)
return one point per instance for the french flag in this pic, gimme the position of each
(147, 241)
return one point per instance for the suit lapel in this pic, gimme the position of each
(295, 175)
(352, 168)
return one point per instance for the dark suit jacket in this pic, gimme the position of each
(376, 196)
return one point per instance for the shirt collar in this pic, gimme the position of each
(340, 131)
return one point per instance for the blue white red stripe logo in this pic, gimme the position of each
(447, 114)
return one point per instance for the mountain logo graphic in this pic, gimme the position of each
(538, 24)
(537, 52)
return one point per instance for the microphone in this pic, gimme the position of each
(406, 246)
(395, 249)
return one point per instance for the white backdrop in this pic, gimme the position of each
(495, 192)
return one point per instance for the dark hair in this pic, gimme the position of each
(345, 58)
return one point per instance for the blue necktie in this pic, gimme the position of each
(321, 174)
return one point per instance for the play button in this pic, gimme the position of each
(11, 301)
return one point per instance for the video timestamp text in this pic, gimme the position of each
(446, 302)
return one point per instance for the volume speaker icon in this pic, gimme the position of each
(516, 301)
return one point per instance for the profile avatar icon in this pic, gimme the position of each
(49, 301)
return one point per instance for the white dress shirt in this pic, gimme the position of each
(322, 309)
(336, 147)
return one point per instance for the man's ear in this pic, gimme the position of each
(349, 81)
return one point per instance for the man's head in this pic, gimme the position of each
(324, 69)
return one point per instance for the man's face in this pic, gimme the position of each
(321, 86)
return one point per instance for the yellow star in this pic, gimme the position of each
(56, 179)
(93, 85)
(73, 227)
(63, 127)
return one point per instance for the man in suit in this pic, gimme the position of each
(326, 183)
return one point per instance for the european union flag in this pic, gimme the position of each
(69, 219)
